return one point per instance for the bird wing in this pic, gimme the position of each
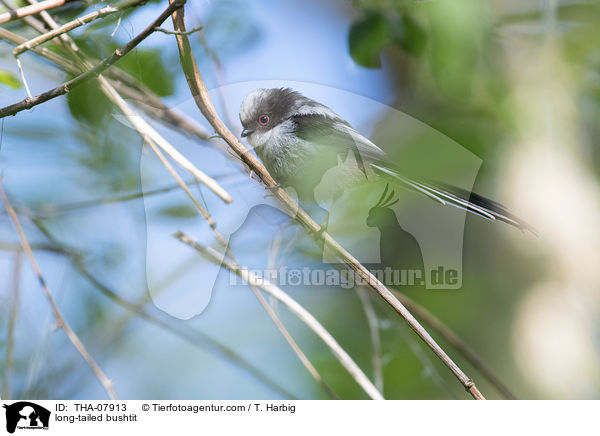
(328, 131)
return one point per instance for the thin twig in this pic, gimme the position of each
(30, 21)
(23, 79)
(46, 211)
(30, 10)
(172, 32)
(304, 315)
(67, 41)
(60, 321)
(61, 61)
(80, 21)
(66, 87)
(203, 101)
(185, 188)
(143, 128)
(373, 323)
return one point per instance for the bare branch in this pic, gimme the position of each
(183, 186)
(60, 321)
(30, 10)
(29, 20)
(171, 32)
(203, 101)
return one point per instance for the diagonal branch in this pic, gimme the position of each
(202, 98)
(60, 321)
(25, 11)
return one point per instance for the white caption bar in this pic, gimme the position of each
(22, 418)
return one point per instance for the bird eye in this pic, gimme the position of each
(263, 120)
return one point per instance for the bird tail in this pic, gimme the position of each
(459, 198)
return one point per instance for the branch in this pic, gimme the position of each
(304, 315)
(30, 10)
(80, 21)
(185, 189)
(31, 21)
(171, 32)
(28, 103)
(202, 98)
(60, 321)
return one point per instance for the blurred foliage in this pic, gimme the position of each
(9, 79)
(145, 64)
(376, 30)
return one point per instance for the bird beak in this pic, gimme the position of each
(247, 132)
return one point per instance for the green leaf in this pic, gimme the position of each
(87, 103)
(179, 211)
(149, 67)
(10, 79)
(367, 38)
(410, 35)
(145, 64)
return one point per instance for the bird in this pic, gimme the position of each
(299, 140)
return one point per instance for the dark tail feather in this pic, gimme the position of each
(460, 198)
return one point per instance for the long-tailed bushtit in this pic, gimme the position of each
(299, 140)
